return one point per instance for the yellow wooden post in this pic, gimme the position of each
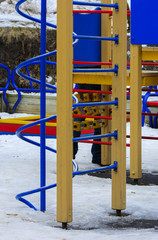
(106, 57)
(64, 111)
(135, 112)
(119, 113)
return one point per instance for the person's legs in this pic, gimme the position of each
(75, 144)
(76, 134)
(96, 148)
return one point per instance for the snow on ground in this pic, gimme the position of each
(10, 18)
(92, 214)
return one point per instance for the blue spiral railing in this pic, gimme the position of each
(42, 61)
(4, 89)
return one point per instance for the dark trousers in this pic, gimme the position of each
(96, 148)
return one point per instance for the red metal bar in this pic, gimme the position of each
(149, 90)
(102, 143)
(146, 64)
(150, 114)
(152, 103)
(145, 137)
(90, 116)
(149, 64)
(92, 63)
(147, 114)
(110, 63)
(96, 117)
(98, 11)
(150, 138)
(93, 11)
(96, 142)
(91, 91)
(94, 91)
(146, 90)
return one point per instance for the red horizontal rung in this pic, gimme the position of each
(92, 63)
(145, 137)
(90, 116)
(92, 11)
(153, 103)
(98, 11)
(102, 143)
(149, 90)
(110, 63)
(91, 91)
(150, 114)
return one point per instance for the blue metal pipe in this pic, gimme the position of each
(43, 107)
(35, 90)
(42, 189)
(96, 4)
(4, 89)
(76, 172)
(114, 134)
(28, 16)
(31, 62)
(96, 104)
(22, 136)
(98, 38)
(114, 166)
(28, 73)
(115, 70)
(95, 70)
(41, 60)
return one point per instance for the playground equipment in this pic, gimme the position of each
(64, 172)
(64, 101)
(151, 92)
(4, 89)
(139, 24)
(117, 76)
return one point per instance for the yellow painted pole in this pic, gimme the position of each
(106, 57)
(64, 111)
(119, 113)
(135, 112)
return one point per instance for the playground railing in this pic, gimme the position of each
(4, 89)
(145, 105)
(31, 80)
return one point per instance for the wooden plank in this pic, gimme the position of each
(106, 57)
(150, 53)
(31, 103)
(148, 78)
(119, 113)
(64, 111)
(135, 112)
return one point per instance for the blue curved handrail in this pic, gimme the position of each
(51, 89)
(20, 134)
(74, 173)
(145, 107)
(32, 61)
(4, 89)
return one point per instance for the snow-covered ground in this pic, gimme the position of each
(92, 214)
(10, 18)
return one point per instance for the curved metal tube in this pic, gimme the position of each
(36, 60)
(7, 85)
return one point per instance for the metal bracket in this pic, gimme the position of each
(117, 7)
(116, 70)
(117, 39)
(115, 168)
